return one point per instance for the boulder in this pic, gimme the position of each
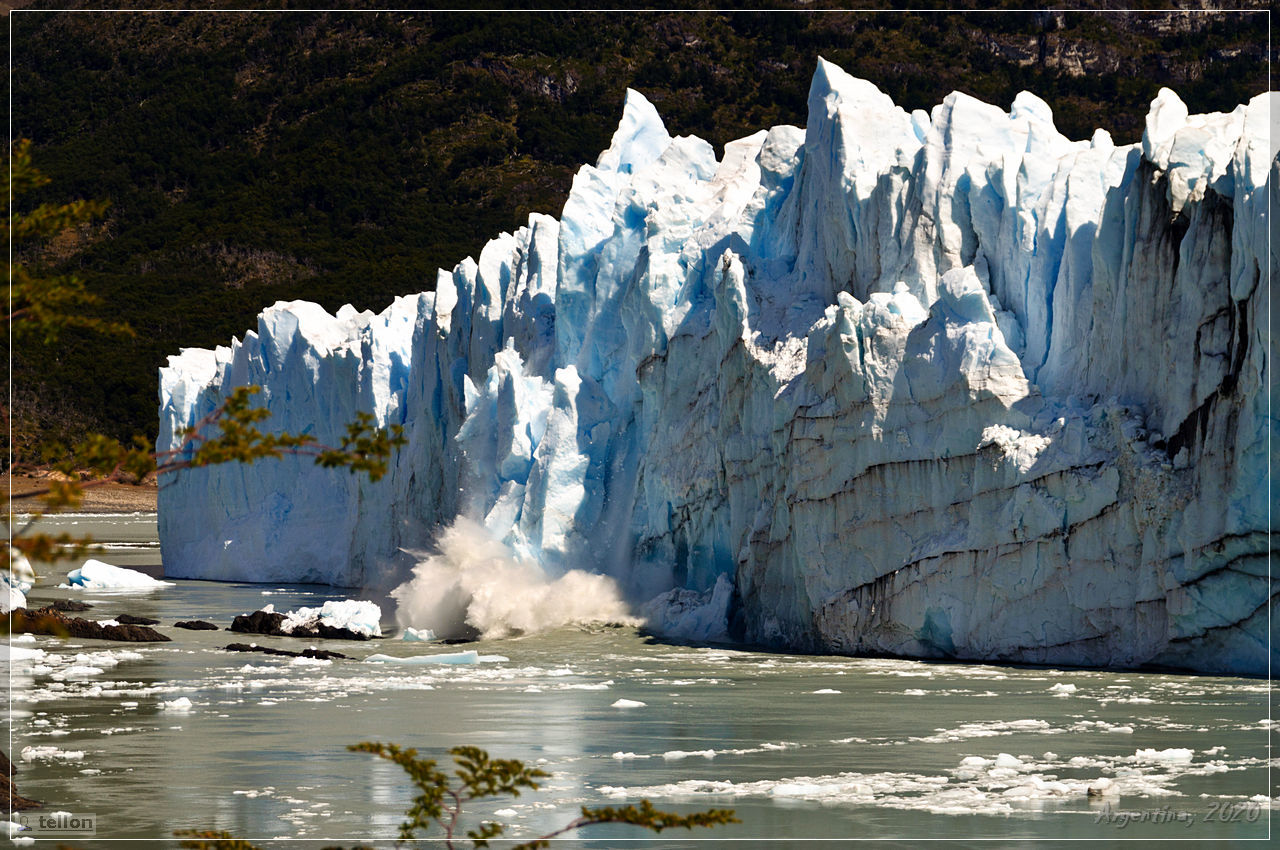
(50, 621)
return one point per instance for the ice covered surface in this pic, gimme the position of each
(942, 385)
(15, 582)
(470, 656)
(20, 575)
(361, 617)
(99, 575)
(50, 753)
(11, 598)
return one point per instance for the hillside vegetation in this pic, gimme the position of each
(344, 156)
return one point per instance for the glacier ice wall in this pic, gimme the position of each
(939, 385)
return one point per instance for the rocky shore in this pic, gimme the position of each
(100, 498)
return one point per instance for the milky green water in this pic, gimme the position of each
(800, 746)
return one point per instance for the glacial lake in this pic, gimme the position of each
(802, 747)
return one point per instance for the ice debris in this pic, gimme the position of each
(470, 656)
(359, 616)
(99, 575)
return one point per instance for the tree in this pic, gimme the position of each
(43, 306)
(441, 798)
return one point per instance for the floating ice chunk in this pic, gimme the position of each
(468, 657)
(1062, 689)
(1103, 787)
(48, 753)
(20, 575)
(621, 756)
(1006, 760)
(11, 598)
(676, 755)
(179, 704)
(505, 813)
(826, 691)
(411, 633)
(627, 703)
(20, 653)
(1173, 755)
(304, 661)
(99, 575)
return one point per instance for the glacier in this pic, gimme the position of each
(941, 384)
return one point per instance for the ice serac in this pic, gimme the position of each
(939, 385)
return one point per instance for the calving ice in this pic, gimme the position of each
(940, 384)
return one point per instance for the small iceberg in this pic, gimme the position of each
(11, 597)
(99, 575)
(468, 657)
(20, 575)
(411, 633)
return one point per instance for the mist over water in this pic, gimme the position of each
(476, 586)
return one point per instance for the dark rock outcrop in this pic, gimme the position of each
(258, 623)
(196, 625)
(322, 630)
(49, 621)
(16, 801)
(269, 622)
(69, 605)
(131, 620)
(323, 654)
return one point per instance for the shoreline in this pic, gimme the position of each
(110, 498)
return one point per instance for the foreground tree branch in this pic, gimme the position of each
(440, 799)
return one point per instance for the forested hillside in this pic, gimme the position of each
(342, 157)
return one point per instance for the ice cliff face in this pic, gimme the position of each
(944, 385)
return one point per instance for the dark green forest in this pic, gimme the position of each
(343, 157)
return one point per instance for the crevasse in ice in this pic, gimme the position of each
(939, 385)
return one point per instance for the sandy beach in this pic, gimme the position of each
(99, 498)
